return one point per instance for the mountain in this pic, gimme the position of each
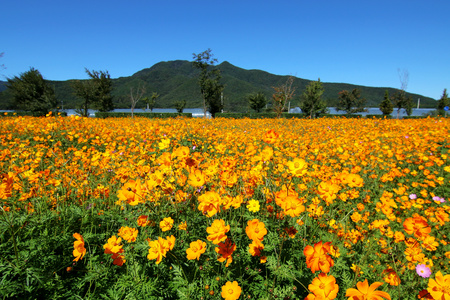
(177, 80)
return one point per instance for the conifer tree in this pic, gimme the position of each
(386, 105)
(442, 103)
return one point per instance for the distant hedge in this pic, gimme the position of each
(257, 115)
(415, 117)
(103, 115)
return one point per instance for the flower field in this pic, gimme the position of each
(329, 208)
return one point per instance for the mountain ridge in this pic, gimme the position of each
(178, 80)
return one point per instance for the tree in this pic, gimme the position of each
(311, 102)
(257, 101)
(32, 93)
(102, 81)
(409, 106)
(180, 105)
(151, 102)
(95, 92)
(442, 103)
(209, 82)
(135, 96)
(400, 101)
(386, 105)
(351, 102)
(282, 95)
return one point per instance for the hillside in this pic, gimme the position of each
(177, 80)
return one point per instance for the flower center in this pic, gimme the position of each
(322, 286)
(230, 291)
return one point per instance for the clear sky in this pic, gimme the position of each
(359, 42)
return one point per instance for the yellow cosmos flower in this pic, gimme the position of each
(253, 205)
(298, 167)
(166, 224)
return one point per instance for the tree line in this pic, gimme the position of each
(32, 93)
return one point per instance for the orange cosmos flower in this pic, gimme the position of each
(391, 277)
(209, 203)
(170, 242)
(142, 221)
(354, 180)
(195, 250)
(255, 248)
(417, 225)
(231, 291)
(158, 249)
(129, 234)
(182, 226)
(323, 287)
(365, 291)
(317, 257)
(166, 224)
(439, 288)
(217, 231)
(225, 249)
(6, 185)
(113, 245)
(256, 231)
(424, 294)
(118, 258)
(328, 191)
(292, 206)
(266, 154)
(131, 192)
(78, 247)
(270, 137)
(196, 178)
(114, 248)
(291, 231)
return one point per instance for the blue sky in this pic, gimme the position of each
(360, 42)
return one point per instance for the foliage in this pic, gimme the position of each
(401, 101)
(282, 95)
(95, 92)
(257, 101)
(32, 93)
(178, 80)
(209, 82)
(442, 103)
(351, 102)
(358, 201)
(180, 105)
(151, 103)
(386, 105)
(311, 102)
